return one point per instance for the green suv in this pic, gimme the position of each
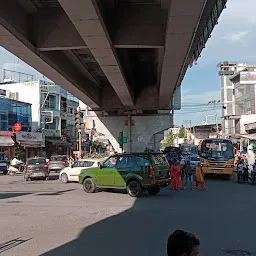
(135, 172)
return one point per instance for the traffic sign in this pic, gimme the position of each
(124, 140)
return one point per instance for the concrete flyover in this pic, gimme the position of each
(119, 57)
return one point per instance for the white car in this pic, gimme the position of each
(71, 173)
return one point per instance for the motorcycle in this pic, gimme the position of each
(16, 169)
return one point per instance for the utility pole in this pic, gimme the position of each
(190, 128)
(216, 115)
(79, 126)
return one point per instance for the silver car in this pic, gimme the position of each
(57, 163)
(36, 168)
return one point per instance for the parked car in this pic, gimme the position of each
(36, 168)
(136, 172)
(57, 163)
(71, 173)
(194, 161)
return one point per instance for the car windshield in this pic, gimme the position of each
(58, 158)
(217, 149)
(195, 158)
(36, 161)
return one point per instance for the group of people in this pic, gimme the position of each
(243, 171)
(180, 172)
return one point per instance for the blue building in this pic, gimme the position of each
(13, 111)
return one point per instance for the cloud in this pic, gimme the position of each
(236, 36)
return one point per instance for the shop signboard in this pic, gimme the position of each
(51, 133)
(17, 127)
(6, 133)
(29, 136)
(248, 77)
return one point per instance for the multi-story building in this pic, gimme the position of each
(13, 111)
(53, 112)
(227, 70)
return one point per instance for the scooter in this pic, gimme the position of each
(16, 169)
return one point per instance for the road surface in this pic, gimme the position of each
(51, 218)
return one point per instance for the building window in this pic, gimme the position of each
(54, 125)
(50, 101)
(3, 126)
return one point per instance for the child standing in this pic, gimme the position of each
(200, 177)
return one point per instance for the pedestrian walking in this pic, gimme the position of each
(176, 176)
(253, 173)
(181, 243)
(200, 177)
(245, 173)
(189, 175)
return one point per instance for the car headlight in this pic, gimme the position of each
(229, 165)
(202, 160)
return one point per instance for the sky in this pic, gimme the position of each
(233, 39)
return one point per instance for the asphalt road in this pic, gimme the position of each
(51, 218)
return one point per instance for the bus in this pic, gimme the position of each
(217, 156)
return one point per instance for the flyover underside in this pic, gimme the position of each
(113, 55)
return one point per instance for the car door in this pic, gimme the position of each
(72, 171)
(80, 165)
(106, 174)
(125, 166)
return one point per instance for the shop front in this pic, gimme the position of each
(31, 143)
(7, 143)
(56, 146)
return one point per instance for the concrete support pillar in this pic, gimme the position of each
(138, 129)
(155, 140)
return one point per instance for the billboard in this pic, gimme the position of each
(248, 77)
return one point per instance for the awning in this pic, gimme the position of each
(58, 142)
(6, 141)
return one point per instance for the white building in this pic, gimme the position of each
(53, 109)
(227, 70)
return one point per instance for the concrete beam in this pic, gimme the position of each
(182, 25)
(136, 30)
(53, 30)
(13, 32)
(86, 17)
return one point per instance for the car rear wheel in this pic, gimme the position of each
(153, 191)
(89, 185)
(134, 189)
(64, 178)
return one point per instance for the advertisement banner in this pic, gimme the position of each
(29, 136)
(248, 77)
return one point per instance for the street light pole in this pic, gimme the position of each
(80, 142)
(216, 115)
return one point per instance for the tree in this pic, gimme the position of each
(170, 139)
(182, 132)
